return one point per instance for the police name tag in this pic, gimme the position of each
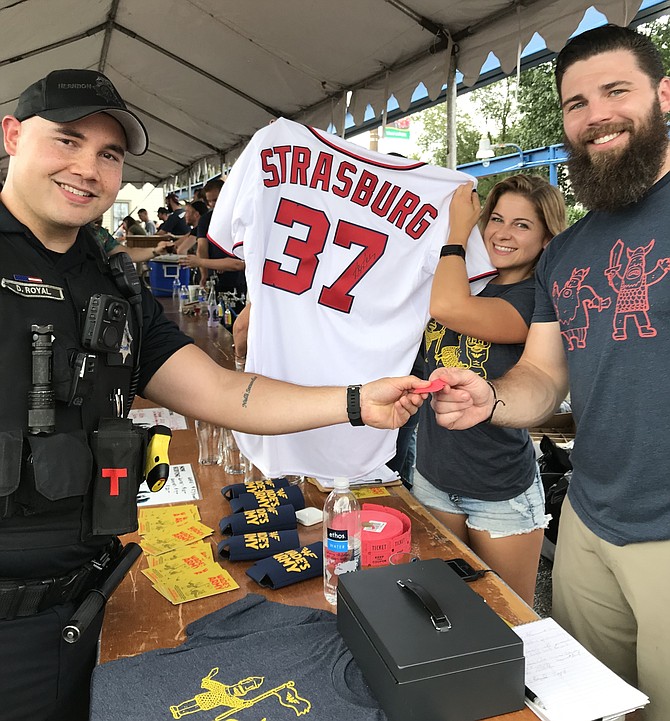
(33, 290)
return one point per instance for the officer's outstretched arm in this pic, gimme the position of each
(191, 383)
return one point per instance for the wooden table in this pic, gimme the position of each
(138, 619)
(144, 241)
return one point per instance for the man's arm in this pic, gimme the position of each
(526, 394)
(255, 404)
(193, 261)
(184, 243)
(140, 255)
(241, 332)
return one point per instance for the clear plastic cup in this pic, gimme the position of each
(210, 447)
(232, 458)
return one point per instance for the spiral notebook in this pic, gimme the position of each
(564, 682)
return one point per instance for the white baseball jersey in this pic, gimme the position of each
(340, 245)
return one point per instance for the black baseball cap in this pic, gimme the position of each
(67, 95)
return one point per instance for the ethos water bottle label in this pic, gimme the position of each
(337, 540)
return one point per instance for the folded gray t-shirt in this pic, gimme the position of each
(250, 660)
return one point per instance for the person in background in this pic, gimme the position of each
(193, 212)
(163, 214)
(227, 271)
(132, 226)
(149, 225)
(111, 245)
(484, 484)
(175, 224)
(601, 330)
(66, 142)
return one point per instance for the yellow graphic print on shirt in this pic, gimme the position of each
(233, 696)
(468, 352)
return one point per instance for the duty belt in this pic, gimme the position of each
(20, 598)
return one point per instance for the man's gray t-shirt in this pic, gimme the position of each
(254, 659)
(607, 281)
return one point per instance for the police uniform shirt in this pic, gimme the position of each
(40, 286)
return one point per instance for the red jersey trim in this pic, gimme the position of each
(360, 158)
(222, 249)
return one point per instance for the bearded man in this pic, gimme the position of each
(605, 281)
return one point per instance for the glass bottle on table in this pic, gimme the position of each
(341, 537)
(212, 306)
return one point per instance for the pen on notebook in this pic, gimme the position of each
(534, 698)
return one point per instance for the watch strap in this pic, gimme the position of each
(354, 405)
(452, 250)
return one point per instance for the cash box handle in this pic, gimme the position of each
(437, 615)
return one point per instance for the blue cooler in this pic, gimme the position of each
(162, 274)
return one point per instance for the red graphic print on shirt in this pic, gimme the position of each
(573, 302)
(632, 288)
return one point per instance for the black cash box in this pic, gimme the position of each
(469, 671)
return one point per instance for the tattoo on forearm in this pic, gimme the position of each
(245, 397)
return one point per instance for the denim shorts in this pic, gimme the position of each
(522, 514)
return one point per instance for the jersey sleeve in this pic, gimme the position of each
(477, 262)
(234, 211)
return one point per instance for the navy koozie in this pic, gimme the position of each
(279, 518)
(234, 489)
(269, 498)
(253, 546)
(289, 567)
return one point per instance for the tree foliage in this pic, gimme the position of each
(528, 115)
(496, 104)
(433, 140)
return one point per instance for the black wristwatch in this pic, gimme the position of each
(452, 250)
(354, 405)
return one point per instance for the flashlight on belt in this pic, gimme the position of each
(157, 465)
(41, 398)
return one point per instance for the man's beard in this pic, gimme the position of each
(611, 180)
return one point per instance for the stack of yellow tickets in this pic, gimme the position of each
(181, 564)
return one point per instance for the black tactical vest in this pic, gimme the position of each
(45, 479)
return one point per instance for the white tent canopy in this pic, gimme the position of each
(204, 75)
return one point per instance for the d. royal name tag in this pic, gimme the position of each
(30, 289)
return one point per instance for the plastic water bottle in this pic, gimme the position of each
(175, 288)
(341, 537)
(183, 297)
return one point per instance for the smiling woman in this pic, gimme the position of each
(483, 483)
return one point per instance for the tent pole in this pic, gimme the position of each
(452, 159)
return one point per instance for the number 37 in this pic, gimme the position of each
(307, 251)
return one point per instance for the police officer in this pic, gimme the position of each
(79, 337)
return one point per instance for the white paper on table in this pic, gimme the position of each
(181, 486)
(158, 417)
(570, 683)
